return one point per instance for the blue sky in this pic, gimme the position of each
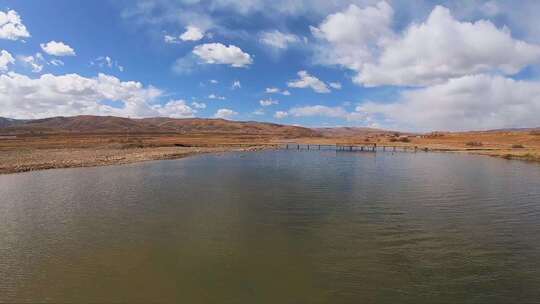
(410, 65)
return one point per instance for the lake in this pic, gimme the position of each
(275, 227)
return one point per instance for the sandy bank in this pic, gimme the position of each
(40, 159)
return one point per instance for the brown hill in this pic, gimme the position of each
(110, 124)
(351, 131)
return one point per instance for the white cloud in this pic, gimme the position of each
(214, 96)
(427, 53)
(225, 114)
(192, 33)
(281, 114)
(11, 26)
(236, 85)
(308, 81)
(444, 48)
(352, 36)
(198, 105)
(35, 63)
(259, 112)
(72, 94)
(5, 60)
(170, 39)
(107, 62)
(175, 109)
(325, 111)
(277, 39)
(213, 81)
(466, 103)
(217, 53)
(57, 49)
(277, 91)
(268, 102)
(318, 110)
(56, 62)
(335, 85)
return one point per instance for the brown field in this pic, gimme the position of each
(70, 142)
(523, 145)
(35, 152)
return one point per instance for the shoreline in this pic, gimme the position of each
(47, 159)
(27, 160)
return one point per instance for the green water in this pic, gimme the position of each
(275, 227)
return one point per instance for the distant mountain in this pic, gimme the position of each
(111, 124)
(350, 131)
(9, 122)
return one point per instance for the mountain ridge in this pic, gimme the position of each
(112, 124)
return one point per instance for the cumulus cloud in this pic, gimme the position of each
(192, 33)
(465, 103)
(277, 39)
(35, 63)
(72, 94)
(214, 96)
(11, 26)
(198, 105)
(443, 48)
(55, 48)
(225, 114)
(268, 102)
(335, 85)
(352, 36)
(175, 109)
(5, 60)
(277, 91)
(426, 53)
(308, 81)
(217, 53)
(281, 114)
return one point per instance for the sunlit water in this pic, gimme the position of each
(275, 227)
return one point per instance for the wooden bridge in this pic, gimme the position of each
(373, 148)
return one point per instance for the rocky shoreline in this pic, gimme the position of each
(42, 159)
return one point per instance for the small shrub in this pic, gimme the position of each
(393, 139)
(474, 144)
(535, 132)
(517, 146)
(404, 139)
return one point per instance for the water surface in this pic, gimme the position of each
(275, 227)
